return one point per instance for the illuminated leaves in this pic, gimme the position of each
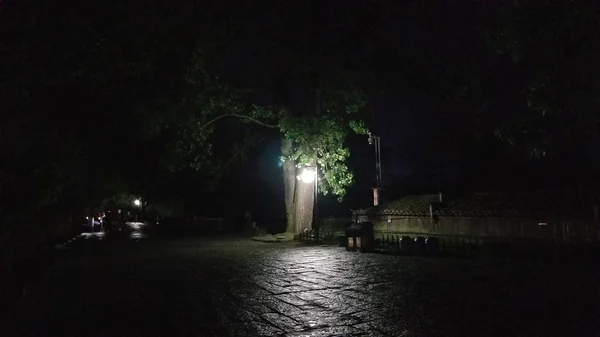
(358, 127)
(323, 138)
(317, 135)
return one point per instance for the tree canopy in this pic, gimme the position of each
(553, 46)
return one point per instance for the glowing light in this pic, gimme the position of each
(137, 202)
(308, 175)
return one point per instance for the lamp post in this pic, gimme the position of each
(309, 175)
(138, 203)
(375, 141)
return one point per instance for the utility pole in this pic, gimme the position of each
(376, 142)
(316, 228)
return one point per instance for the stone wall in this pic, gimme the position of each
(334, 224)
(509, 228)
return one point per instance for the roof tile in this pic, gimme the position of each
(525, 204)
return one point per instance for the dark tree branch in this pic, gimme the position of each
(251, 119)
(249, 143)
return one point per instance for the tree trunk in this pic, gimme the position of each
(304, 201)
(289, 183)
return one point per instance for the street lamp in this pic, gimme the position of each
(309, 175)
(138, 203)
(375, 141)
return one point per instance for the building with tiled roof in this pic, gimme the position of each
(538, 214)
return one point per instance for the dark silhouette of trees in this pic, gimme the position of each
(166, 99)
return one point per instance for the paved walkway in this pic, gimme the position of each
(242, 288)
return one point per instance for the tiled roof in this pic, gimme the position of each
(410, 205)
(529, 204)
(504, 205)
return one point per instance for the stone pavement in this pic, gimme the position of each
(197, 287)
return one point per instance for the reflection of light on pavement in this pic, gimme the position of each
(137, 228)
(315, 261)
(315, 266)
(310, 274)
(135, 225)
(136, 235)
(88, 235)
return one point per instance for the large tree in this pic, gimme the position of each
(292, 85)
(306, 139)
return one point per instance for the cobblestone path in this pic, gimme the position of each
(197, 287)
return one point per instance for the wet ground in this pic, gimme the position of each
(129, 285)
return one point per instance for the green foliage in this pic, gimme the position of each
(324, 139)
(262, 113)
(358, 127)
(204, 100)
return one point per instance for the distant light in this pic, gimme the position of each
(542, 224)
(308, 175)
(137, 202)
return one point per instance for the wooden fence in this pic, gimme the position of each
(417, 244)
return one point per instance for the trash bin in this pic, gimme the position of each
(359, 236)
(352, 237)
(432, 245)
(420, 245)
(367, 237)
(407, 244)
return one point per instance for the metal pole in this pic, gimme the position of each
(315, 207)
(376, 142)
(379, 159)
(376, 161)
